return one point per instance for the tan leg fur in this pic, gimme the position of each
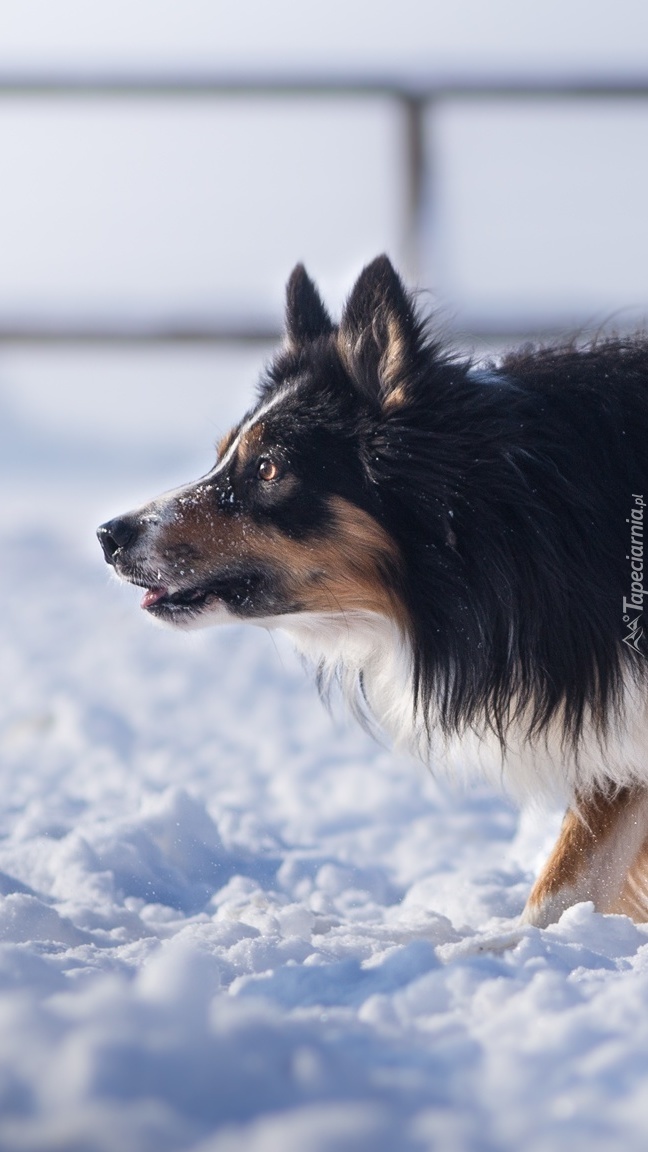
(601, 855)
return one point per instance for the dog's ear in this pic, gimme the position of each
(378, 333)
(306, 316)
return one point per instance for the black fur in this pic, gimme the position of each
(507, 489)
(306, 316)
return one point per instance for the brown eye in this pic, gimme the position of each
(268, 470)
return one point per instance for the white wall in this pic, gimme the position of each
(202, 208)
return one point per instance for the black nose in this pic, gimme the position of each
(115, 534)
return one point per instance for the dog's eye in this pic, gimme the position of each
(268, 470)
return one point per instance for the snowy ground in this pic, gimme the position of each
(229, 923)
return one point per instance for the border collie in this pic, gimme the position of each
(460, 546)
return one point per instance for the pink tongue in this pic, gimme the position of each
(152, 597)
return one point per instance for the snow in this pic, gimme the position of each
(232, 923)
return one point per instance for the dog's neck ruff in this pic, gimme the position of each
(371, 660)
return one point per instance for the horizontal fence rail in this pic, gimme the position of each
(415, 98)
(124, 330)
(132, 85)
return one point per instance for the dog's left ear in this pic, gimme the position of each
(306, 316)
(378, 333)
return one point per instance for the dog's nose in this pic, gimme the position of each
(115, 534)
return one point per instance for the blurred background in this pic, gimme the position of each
(164, 165)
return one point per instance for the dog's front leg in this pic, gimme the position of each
(601, 855)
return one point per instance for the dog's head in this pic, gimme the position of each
(290, 519)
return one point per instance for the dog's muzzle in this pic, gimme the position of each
(117, 534)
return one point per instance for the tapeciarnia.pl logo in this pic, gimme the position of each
(633, 605)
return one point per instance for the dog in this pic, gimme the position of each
(458, 545)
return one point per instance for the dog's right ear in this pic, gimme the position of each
(379, 334)
(306, 316)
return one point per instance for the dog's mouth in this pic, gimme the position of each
(158, 600)
(241, 589)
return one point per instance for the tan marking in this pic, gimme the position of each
(342, 571)
(601, 855)
(392, 362)
(633, 899)
(197, 528)
(251, 443)
(346, 570)
(224, 444)
(349, 349)
(392, 365)
(396, 398)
